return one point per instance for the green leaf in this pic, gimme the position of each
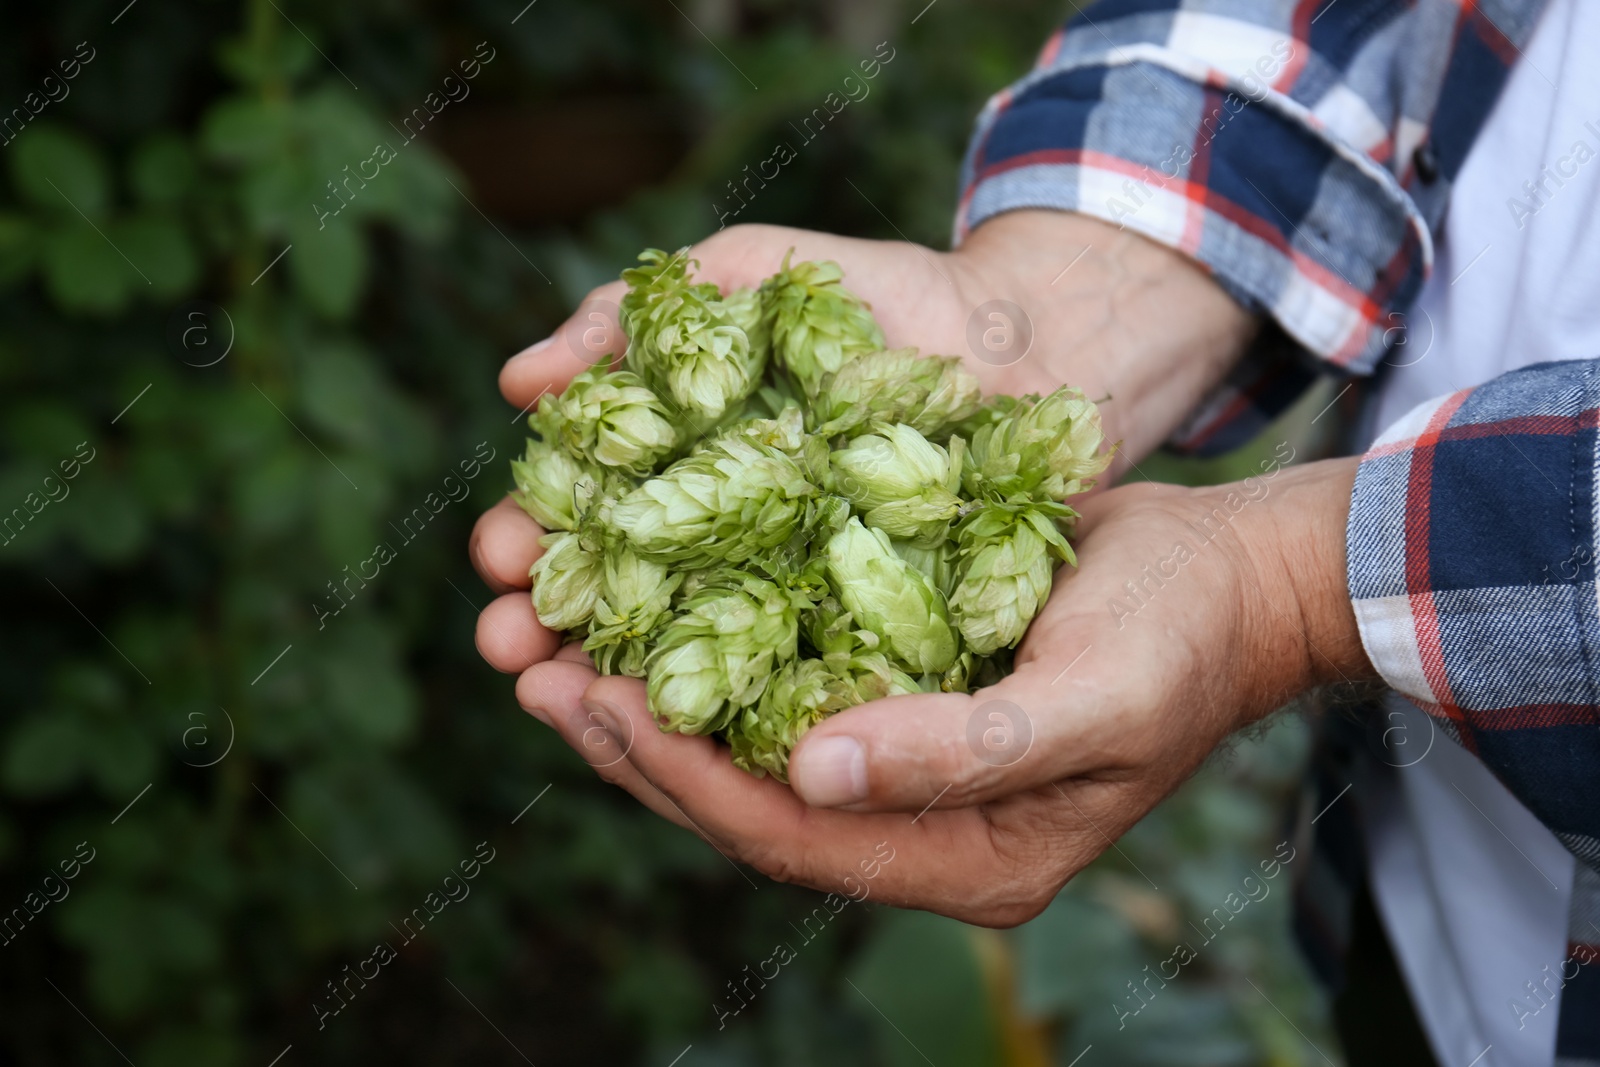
(922, 972)
(1055, 950)
(162, 171)
(341, 391)
(163, 251)
(19, 246)
(83, 272)
(60, 172)
(329, 266)
(246, 129)
(44, 754)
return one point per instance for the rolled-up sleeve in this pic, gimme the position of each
(1301, 152)
(1472, 545)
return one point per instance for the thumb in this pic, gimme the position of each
(948, 750)
(591, 337)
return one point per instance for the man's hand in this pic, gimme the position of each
(1108, 311)
(1195, 612)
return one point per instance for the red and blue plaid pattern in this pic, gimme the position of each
(1472, 545)
(1302, 150)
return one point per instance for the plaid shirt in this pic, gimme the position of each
(1303, 151)
(1471, 544)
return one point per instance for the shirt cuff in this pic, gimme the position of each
(1471, 546)
(1292, 221)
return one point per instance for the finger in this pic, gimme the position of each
(954, 750)
(572, 652)
(503, 546)
(509, 635)
(590, 337)
(551, 690)
(946, 861)
(553, 693)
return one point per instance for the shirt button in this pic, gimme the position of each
(1426, 162)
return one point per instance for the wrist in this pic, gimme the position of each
(1300, 611)
(1120, 316)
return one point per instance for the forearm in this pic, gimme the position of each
(1118, 315)
(1296, 590)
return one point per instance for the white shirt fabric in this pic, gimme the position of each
(1472, 888)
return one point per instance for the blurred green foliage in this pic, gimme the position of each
(268, 791)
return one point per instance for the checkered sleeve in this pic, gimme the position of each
(1300, 150)
(1472, 544)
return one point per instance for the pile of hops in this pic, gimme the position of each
(770, 517)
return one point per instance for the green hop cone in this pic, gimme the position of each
(901, 482)
(929, 393)
(891, 598)
(937, 561)
(816, 323)
(802, 694)
(719, 651)
(732, 500)
(990, 411)
(786, 432)
(635, 598)
(611, 419)
(552, 486)
(683, 339)
(1006, 568)
(1044, 449)
(745, 308)
(566, 581)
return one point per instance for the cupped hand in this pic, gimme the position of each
(1032, 300)
(1194, 612)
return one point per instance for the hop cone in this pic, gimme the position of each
(817, 324)
(635, 598)
(747, 312)
(937, 561)
(683, 340)
(719, 652)
(1044, 450)
(902, 483)
(610, 419)
(929, 393)
(566, 581)
(552, 486)
(1005, 567)
(735, 499)
(891, 598)
(786, 432)
(990, 411)
(802, 694)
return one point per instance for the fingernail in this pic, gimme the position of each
(832, 772)
(540, 714)
(531, 349)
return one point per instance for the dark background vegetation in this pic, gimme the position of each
(145, 609)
